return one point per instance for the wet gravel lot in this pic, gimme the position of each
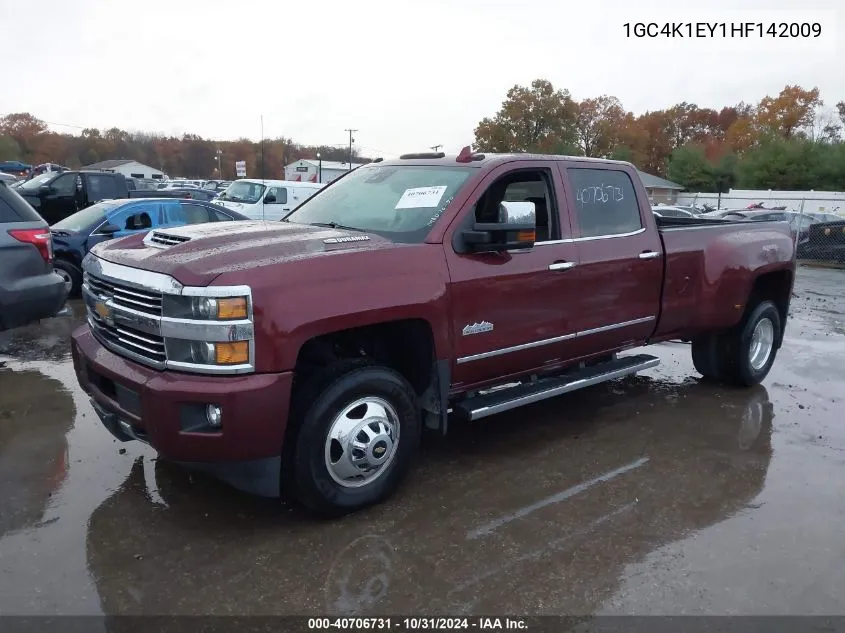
(657, 494)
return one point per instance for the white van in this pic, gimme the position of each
(266, 199)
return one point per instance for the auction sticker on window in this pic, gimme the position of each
(421, 197)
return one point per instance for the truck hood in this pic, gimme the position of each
(195, 255)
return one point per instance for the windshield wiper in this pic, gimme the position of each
(335, 225)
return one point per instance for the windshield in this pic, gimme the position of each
(248, 192)
(37, 181)
(87, 217)
(396, 201)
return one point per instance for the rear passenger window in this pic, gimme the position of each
(605, 201)
(101, 188)
(196, 214)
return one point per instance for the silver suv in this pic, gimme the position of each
(29, 289)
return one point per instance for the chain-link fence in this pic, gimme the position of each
(820, 238)
(817, 223)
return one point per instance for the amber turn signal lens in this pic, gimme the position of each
(236, 353)
(231, 308)
(525, 236)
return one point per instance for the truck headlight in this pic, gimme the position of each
(219, 353)
(209, 330)
(206, 308)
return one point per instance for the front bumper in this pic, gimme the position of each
(165, 408)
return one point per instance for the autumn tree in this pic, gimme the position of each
(742, 135)
(687, 123)
(532, 119)
(790, 112)
(24, 129)
(632, 141)
(658, 141)
(21, 124)
(597, 125)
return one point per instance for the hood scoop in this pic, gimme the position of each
(159, 239)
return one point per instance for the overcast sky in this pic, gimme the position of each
(407, 74)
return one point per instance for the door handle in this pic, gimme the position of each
(561, 265)
(649, 255)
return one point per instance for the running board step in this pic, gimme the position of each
(527, 393)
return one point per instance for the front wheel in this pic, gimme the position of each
(70, 274)
(356, 441)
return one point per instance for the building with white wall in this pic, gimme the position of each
(313, 170)
(129, 168)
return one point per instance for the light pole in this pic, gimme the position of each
(351, 140)
(319, 168)
(219, 163)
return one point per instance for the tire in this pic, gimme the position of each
(705, 357)
(318, 470)
(740, 366)
(71, 274)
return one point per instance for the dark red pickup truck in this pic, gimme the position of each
(306, 355)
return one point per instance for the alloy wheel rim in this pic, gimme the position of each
(762, 343)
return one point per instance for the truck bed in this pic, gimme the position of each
(709, 265)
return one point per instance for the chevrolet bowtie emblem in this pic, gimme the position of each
(102, 309)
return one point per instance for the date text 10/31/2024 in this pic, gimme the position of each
(417, 624)
(724, 30)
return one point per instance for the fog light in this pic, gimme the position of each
(214, 414)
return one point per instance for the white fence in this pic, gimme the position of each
(808, 201)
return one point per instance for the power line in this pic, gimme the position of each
(78, 127)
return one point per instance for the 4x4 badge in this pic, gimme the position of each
(478, 328)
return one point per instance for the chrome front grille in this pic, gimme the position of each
(125, 314)
(146, 301)
(149, 346)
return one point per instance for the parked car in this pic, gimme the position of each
(7, 178)
(15, 168)
(672, 212)
(29, 289)
(48, 168)
(74, 236)
(187, 193)
(177, 184)
(825, 241)
(310, 353)
(266, 199)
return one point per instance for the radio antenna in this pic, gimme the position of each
(263, 187)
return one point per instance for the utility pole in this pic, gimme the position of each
(351, 140)
(434, 148)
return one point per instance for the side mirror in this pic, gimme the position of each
(108, 229)
(45, 190)
(515, 228)
(269, 199)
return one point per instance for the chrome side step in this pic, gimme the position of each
(528, 393)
